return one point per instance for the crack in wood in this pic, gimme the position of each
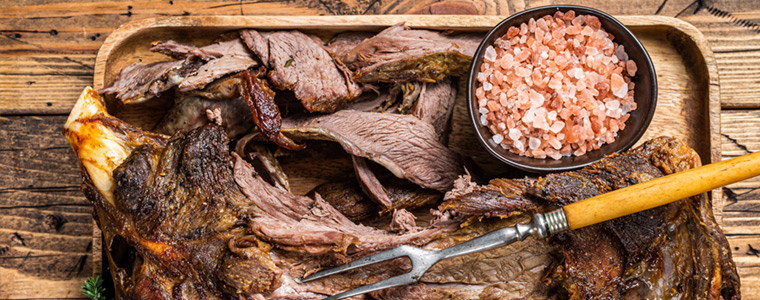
(34, 149)
(49, 189)
(44, 206)
(18, 239)
(79, 63)
(735, 142)
(752, 251)
(79, 266)
(371, 4)
(20, 41)
(67, 74)
(736, 51)
(687, 7)
(659, 8)
(733, 197)
(727, 15)
(730, 196)
(324, 4)
(28, 253)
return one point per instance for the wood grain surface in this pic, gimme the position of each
(47, 56)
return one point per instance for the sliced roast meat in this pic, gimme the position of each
(263, 160)
(234, 48)
(138, 82)
(403, 221)
(410, 92)
(221, 89)
(176, 50)
(435, 105)
(340, 44)
(401, 54)
(638, 256)
(266, 115)
(300, 224)
(258, 42)
(391, 193)
(190, 112)
(215, 69)
(299, 62)
(500, 198)
(385, 100)
(406, 146)
(347, 198)
(369, 182)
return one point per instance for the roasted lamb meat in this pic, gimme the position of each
(202, 223)
(300, 63)
(196, 68)
(403, 144)
(401, 54)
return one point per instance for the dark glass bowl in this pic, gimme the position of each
(645, 93)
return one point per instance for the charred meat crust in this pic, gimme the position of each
(266, 115)
(649, 254)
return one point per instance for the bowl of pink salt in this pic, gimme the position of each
(558, 87)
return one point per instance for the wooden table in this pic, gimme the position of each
(47, 53)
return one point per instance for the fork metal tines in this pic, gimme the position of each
(423, 259)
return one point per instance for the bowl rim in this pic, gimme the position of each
(563, 7)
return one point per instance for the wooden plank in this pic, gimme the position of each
(747, 263)
(43, 83)
(741, 212)
(45, 221)
(737, 52)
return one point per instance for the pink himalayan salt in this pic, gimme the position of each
(631, 68)
(557, 86)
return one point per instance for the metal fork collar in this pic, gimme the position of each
(549, 223)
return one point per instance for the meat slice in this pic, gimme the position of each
(403, 222)
(258, 43)
(298, 223)
(343, 42)
(385, 100)
(196, 68)
(231, 48)
(500, 198)
(435, 105)
(139, 82)
(391, 193)
(347, 198)
(401, 54)
(299, 62)
(263, 160)
(369, 182)
(189, 113)
(215, 69)
(266, 115)
(406, 146)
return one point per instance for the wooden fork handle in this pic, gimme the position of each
(661, 191)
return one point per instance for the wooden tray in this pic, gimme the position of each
(688, 102)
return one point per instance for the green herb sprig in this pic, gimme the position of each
(93, 288)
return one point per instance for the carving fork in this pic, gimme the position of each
(618, 203)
